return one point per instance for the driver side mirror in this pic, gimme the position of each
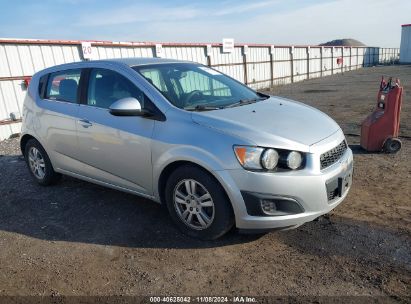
(128, 106)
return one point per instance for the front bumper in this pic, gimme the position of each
(309, 187)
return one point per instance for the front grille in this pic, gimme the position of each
(332, 156)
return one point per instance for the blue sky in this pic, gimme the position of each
(375, 22)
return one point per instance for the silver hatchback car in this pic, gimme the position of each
(214, 151)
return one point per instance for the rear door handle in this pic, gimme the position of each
(85, 123)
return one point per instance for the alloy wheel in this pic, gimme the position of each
(194, 204)
(36, 162)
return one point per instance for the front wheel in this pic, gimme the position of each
(198, 204)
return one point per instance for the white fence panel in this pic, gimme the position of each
(346, 59)
(235, 71)
(11, 97)
(300, 64)
(315, 62)
(260, 68)
(4, 63)
(327, 61)
(282, 65)
(13, 59)
(337, 60)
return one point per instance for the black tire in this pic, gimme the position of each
(223, 216)
(392, 145)
(50, 176)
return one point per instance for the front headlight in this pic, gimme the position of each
(268, 159)
(249, 157)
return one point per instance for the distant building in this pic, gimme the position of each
(405, 49)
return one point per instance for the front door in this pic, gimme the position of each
(114, 149)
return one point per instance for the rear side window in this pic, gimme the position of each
(42, 85)
(63, 86)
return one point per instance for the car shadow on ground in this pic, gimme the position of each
(357, 149)
(78, 211)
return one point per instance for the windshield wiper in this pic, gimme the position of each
(202, 108)
(242, 102)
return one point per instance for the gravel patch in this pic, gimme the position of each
(77, 238)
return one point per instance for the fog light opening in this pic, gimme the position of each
(269, 207)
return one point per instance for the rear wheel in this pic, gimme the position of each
(198, 204)
(392, 145)
(39, 164)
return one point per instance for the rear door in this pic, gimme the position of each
(59, 119)
(114, 149)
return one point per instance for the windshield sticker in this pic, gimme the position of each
(209, 71)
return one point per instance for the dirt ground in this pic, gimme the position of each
(77, 238)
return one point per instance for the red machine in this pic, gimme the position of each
(379, 131)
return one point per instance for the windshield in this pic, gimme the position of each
(196, 87)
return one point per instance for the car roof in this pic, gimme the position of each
(131, 62)
(143, 61)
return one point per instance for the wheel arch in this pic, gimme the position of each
(171, 167)
(24, 140)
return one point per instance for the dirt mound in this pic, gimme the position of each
(343, 42)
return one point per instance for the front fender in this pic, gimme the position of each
(183, 153)
(205, 160)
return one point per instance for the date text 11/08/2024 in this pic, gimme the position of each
(205, 299)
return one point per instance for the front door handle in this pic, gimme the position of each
(85, 123)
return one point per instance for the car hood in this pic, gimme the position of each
(274, 122)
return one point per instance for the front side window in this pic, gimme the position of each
(63, 86)
(106, 87)
(192, 86)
